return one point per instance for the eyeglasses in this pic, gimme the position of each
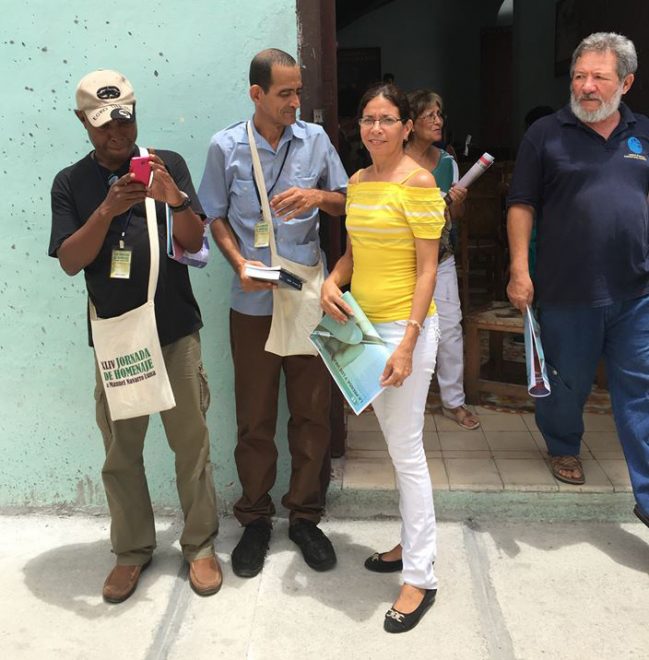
(384, 122)
(432, 116)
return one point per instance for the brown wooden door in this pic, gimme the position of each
(496, 90)
(317, 55)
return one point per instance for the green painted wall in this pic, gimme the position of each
(188, 63)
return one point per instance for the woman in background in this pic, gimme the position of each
(427, 110)
(395, 216)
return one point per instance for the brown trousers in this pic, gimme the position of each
(308, 391)
(132, 530)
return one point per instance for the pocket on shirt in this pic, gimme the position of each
(310, 181)
(243, 200)
(306, 183)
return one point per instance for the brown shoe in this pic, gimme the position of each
(122, 582)
(205, 575)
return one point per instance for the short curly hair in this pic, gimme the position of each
(600, 42)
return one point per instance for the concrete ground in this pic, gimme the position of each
(525, 589)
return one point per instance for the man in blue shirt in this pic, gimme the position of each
(303, 174)
(584, 172)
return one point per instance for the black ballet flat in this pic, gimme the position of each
(398, 622)
(378, 565)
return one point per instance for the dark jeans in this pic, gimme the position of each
(308, 390)
(574, 338)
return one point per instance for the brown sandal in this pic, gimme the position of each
(567, 463)
(462, 416)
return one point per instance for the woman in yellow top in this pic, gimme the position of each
(395, 216)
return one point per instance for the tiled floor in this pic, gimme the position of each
(506, 453)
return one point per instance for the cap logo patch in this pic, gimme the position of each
(109, 92)
(121, 113)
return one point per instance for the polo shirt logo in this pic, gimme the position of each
(634, 145)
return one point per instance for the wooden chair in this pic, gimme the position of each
(482, 237)
(497, 319)
(498, 375)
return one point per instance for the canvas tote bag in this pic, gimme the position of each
(128, 350)
(295, 313)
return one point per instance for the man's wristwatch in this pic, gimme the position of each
(185, 204)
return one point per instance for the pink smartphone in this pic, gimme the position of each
(141, 167)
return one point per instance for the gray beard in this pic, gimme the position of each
(605, 110)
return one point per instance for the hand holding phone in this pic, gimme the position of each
(141, 167)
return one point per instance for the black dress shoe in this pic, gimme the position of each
(398, 622)
(641, 515)
(249, 554)
(316, 548)
(376, 564)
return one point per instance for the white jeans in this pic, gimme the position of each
(400, 411)
(450, 353)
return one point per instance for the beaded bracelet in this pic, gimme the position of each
(417, 325)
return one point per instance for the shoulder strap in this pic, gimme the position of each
(417, 169)
(261, 186)
(154, 246)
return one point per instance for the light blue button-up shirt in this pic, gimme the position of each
(227, 191)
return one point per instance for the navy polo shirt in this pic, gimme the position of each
(590, 198)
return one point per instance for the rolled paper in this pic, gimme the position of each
(477, 170)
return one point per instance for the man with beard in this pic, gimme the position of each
(584, 173)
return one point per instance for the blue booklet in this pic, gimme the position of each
(538, 384)
(354, 354)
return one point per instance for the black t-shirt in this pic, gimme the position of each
(77, 191)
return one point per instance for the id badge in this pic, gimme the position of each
(120, 263)
(262, 234)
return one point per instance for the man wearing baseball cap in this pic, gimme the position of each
(105, 95)
(98, 213)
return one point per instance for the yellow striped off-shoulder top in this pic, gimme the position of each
(383, 220)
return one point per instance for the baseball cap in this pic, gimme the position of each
(104, 95)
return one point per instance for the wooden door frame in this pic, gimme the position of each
(316, 21)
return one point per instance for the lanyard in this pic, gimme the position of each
(125, 223)
(288, 146)
(126, 217)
